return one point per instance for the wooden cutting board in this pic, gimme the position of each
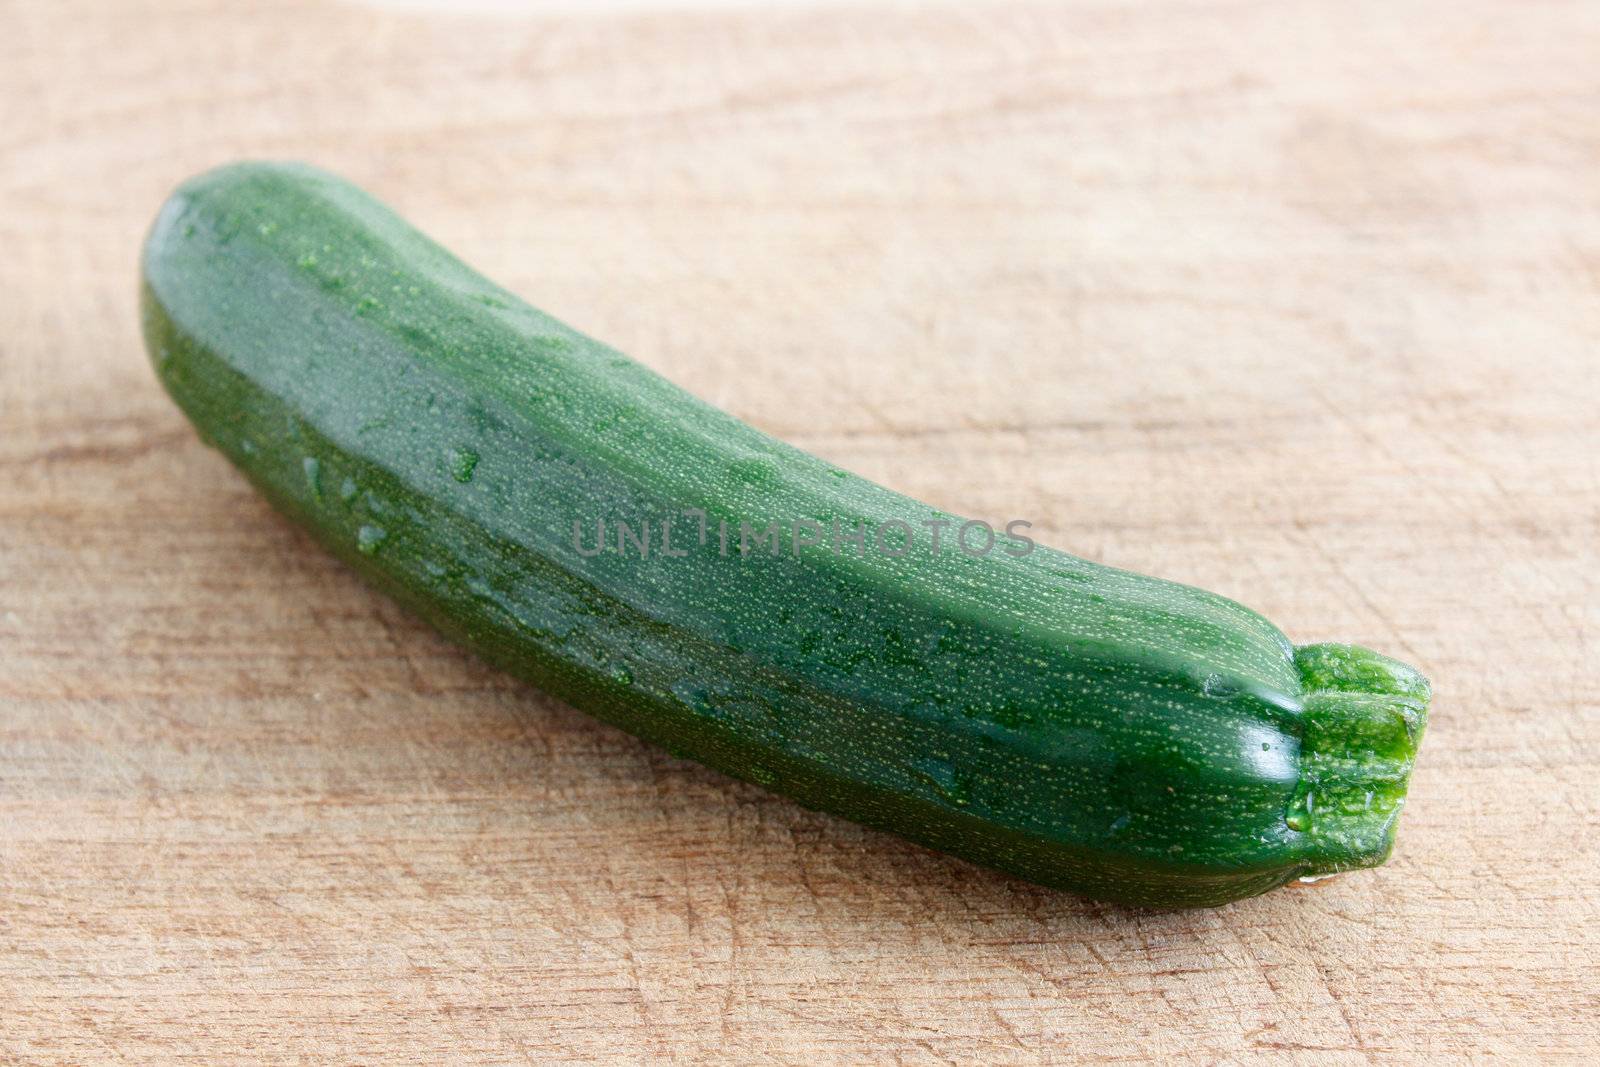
(1296, 301)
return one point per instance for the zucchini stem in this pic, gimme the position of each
(1363, 719)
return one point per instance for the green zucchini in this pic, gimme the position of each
(1126, 738)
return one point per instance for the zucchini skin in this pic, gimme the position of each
(1119, 736)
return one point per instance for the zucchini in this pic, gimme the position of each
(1087, 728)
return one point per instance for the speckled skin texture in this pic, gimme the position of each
(1117, 735)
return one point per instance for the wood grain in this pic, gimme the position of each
(1297, 301)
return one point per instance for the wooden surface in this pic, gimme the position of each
(1296, 301)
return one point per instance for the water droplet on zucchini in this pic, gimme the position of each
(462, 463)
(370, 538)
(313, 472)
